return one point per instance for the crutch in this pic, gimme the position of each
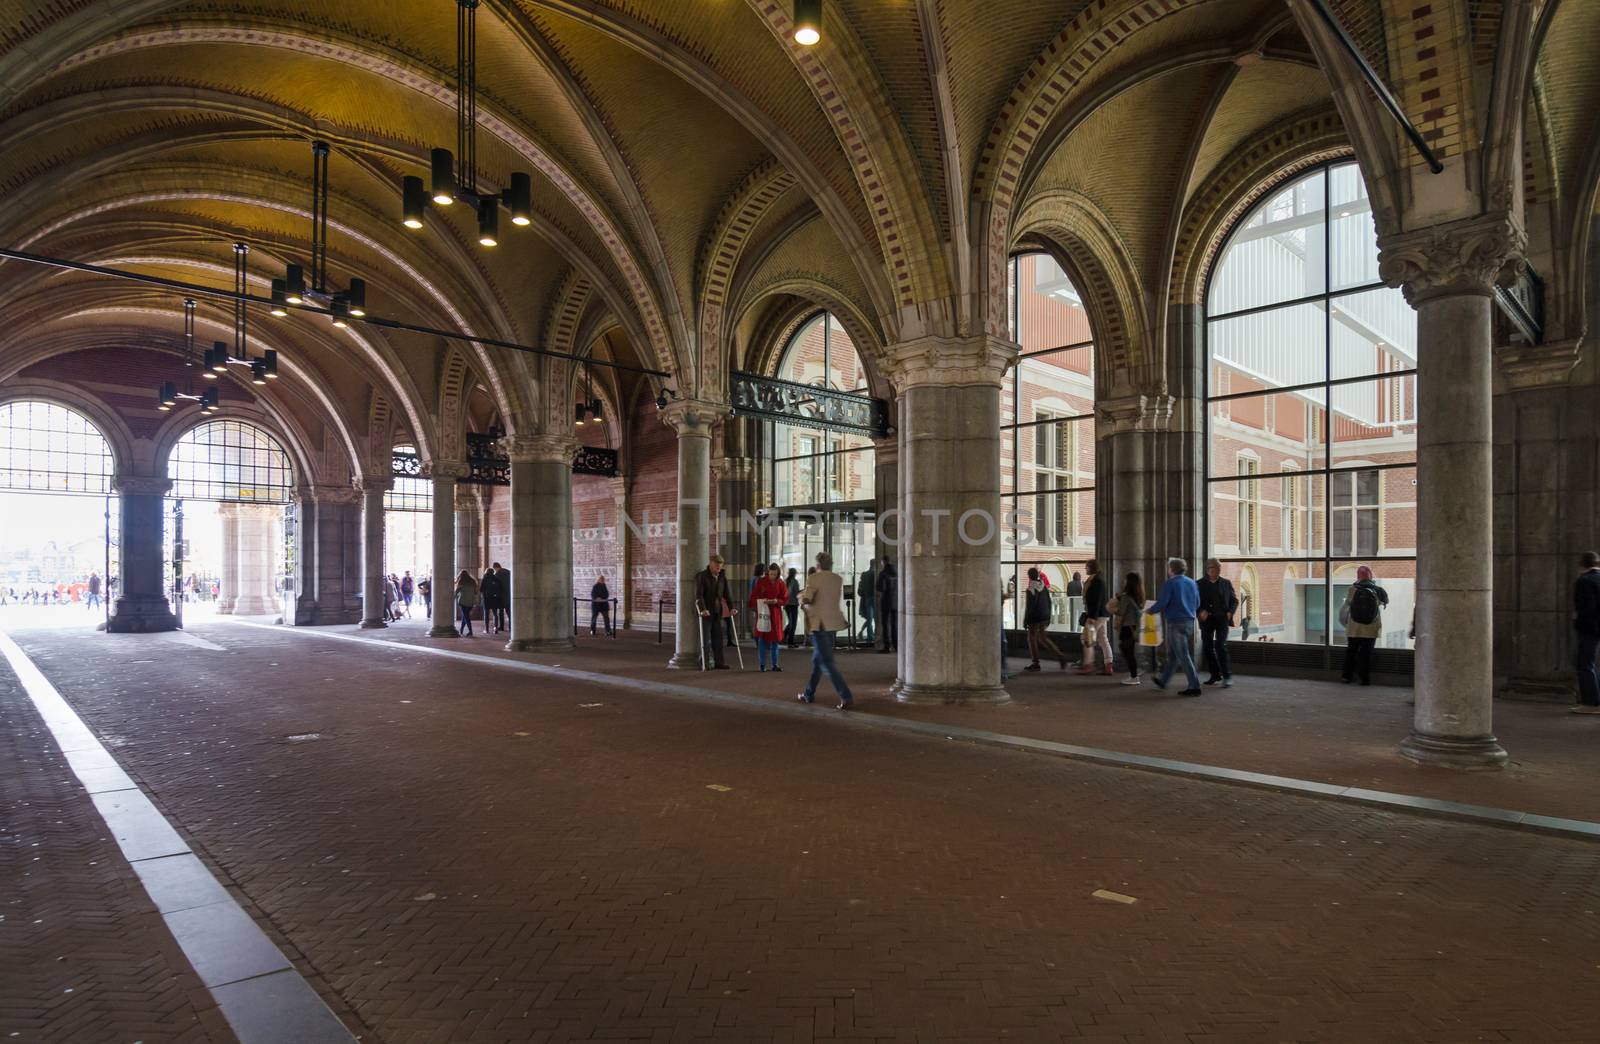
(733, 618)
(705, 648)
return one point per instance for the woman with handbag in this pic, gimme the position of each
(1097, 621)
(768, 597)
(1129, 609)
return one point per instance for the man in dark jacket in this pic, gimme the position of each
(600, 605)
(1218, 603)
(489, 595)
(713, 601)
(1586, 621)
(888, 608)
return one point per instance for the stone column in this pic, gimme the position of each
(541, 542)
(256, 541)
(446, 531)
(694, 422)
(1448, 274)
(468, 540)
(228, 594)
(949, 393)
(372, 491)
(141, 588)
(305, 562)
(333, 554)
(886, 503)
(1131, 535)
(622, 583)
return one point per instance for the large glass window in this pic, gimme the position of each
(230, 460)
(50, 449)
(1311, 420)
(1047, 437)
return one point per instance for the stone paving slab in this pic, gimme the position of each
(1318, 731)
(467, 853)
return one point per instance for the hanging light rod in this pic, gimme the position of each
(370, 320)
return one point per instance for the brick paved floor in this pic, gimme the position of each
(84, 957)
(1316, 730)
(467, 854)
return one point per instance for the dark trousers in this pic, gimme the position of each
(464, 616)
(599, 611)
(1130, 651)
(1358, 659)
(791, 616)
(1588, 682)
(889, 626)
(711, 641)
(1214, 641)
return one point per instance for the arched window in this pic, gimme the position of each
(1047, 436)
(230, 460)
(1311, 370)
(46, 448)
(408, 492)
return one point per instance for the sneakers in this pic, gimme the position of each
(803, 698)
(1192, 692)
(1031, 667)
(1130, 681)
(1158, 683)
(1108, 672)
(1213, 681)
(1585, 708)
(1227, 683)
(844, 705)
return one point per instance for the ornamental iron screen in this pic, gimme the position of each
(809, 405)
(595, 460)
(230, 460)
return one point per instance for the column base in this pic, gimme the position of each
(540, 645)
(1457, 752)
(337, 616)
(939, 694)
(443, 632)
(254, 607)
(1539, 690)
(372, 625)
(142, 618)
(684, 661)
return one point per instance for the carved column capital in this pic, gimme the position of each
(448, 469)
(1138, 412)
(1537, 365)
(333, 495)
(142, 485)
(529, 449)
(1469, 256)
(693, 418)
(950, 362)
(375, 483)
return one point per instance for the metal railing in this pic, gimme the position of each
(611, 618)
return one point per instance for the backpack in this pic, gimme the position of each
(1363, 604)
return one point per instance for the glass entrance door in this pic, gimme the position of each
(845, 531)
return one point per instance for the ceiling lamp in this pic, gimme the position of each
(280, 298)
(451, 180)
(580, 413)
(295, 288)
(168, 395)
(594, 408)
(807, 22)
(294, 284)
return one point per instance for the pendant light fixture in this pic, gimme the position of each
(218, 358)
(293, 289)
(168, 395)
(454, 176)
(807, 22)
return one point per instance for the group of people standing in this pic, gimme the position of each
(492, 591)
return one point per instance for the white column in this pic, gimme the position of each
(541, 542)
(257, 539)
(694, 422)
(1448, 273)
(446, 531)
(228, 586)
(949, 422)
(372, 490)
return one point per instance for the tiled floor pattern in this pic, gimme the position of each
(464, 853)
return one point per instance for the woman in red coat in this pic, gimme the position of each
(767, 598)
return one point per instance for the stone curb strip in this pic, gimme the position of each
(263, 997)
(1483, 814)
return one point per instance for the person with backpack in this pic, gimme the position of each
(1218, 603)
(1362, 616)
(467, 596)
(1036, 613)
(489, 592)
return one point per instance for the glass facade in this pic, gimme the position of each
(230, 460)
(1311, 423)
(46, 448)
(1047, 437)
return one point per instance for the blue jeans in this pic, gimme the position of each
(869, 613)
(766, 648)
(464, 618)
(1588, 684)
(822, 660)
(1180, 652)
(92, 599)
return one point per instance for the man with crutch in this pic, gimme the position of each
(713, 601)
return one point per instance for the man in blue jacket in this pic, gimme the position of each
(1176, 605)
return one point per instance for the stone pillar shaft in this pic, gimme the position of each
(256, 540)
(886, 499)
(446, 531)
(468, 541)
(694, 422)
(541, 543)
(372, 554)
(141, 592)
(229, 585)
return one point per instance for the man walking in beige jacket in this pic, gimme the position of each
(822, 603)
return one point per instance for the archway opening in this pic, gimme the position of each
(408, 537)
(58, 547)
(229, 529)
